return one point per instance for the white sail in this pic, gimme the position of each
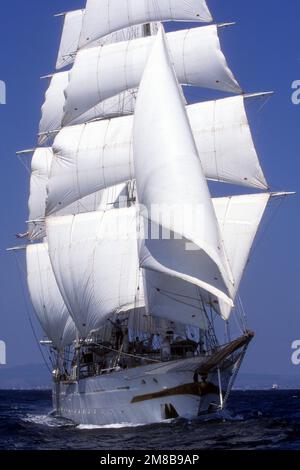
(239, 218)
(118, 105)
(102, 18)
(80, 164)
(69, 44)
(196, 54)
(52, 109)
(224, 142)
(171, 186)
(94, 258)
(41, 169)
(89, 157)
(70, 38)
(46, 298)
(174, 299)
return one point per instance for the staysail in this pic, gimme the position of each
(46, 298)
(102, 18)
(196, 54)
(172, 191)
(89, 157)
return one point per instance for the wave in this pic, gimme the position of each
(47, 420)
(84, 427)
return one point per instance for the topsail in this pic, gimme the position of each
(52, 109)
(109, 70)
(70, 40)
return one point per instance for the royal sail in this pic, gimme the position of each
(53, 107)
(70, 40)
(101, 19)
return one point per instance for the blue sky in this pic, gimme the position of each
(262, 50)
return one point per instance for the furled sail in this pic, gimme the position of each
(89, 157)
(239, 218)
(41, 169)
(69, 44)
(180, 233)
(102, 18)
(109, 70)
(94, 258)
(46, 298)
(52, 109)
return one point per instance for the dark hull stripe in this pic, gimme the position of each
(197, 389)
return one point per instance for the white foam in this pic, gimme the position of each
(83, 427)
(47, 420)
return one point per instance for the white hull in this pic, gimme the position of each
(142, 395)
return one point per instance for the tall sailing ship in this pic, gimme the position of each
(133, 267)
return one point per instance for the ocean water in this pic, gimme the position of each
(253, 420)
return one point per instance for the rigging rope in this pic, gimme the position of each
(263, 232)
